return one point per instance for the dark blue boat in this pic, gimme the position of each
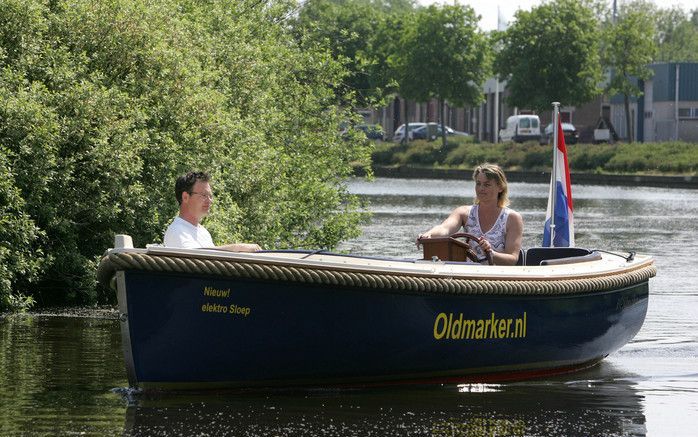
(200, 319)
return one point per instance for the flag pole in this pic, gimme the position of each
(553, 173)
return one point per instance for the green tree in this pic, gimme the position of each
(443, 55)
(677, 34)
(20, 258)
(382, 45)
(550, 53)
(105, 103)
(628, 47)
(348, 29)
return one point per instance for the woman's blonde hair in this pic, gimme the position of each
(495, 173)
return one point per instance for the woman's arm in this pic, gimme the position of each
(449, 226)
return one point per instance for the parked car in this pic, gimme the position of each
(521, 128)
(372, 131)
(433, 129)
(399, 133)
(570, 132)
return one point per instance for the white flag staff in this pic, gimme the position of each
(553, 173)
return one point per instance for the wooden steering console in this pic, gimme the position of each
(455, 247)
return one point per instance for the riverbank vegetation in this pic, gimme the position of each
(667, 158)
(104, 104)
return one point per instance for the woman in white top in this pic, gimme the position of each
(500, 229)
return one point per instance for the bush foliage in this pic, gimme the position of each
(105, 103)
(648, 158)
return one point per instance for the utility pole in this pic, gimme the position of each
(615, 11)
(496, 109)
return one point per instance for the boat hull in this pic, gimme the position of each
(196, 330)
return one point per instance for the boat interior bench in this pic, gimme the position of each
(536, 256)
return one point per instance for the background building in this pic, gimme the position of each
(668, 110)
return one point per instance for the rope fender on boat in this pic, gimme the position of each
(114, 262)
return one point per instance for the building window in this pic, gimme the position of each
(688, 112)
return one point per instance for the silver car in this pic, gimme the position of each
(399, 133)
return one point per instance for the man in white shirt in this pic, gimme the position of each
(193, 192)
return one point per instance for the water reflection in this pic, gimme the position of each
(55, 374)
(600, 402)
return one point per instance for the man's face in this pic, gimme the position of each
(199, 200)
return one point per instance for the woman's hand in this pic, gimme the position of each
(484, 245)
(424, 235)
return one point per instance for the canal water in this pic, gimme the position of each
(65, 375)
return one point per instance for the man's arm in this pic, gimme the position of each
(240, 247)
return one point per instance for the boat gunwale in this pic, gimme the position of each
(439, 269)
(238, 266)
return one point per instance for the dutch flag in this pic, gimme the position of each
(560, 188)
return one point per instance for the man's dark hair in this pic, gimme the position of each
(186, 183)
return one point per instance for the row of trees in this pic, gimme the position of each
(557, 51)
(103, 104)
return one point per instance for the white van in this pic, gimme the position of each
(521, 128)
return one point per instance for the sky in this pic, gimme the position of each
(487, 9)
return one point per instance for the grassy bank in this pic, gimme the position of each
(666, 158)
